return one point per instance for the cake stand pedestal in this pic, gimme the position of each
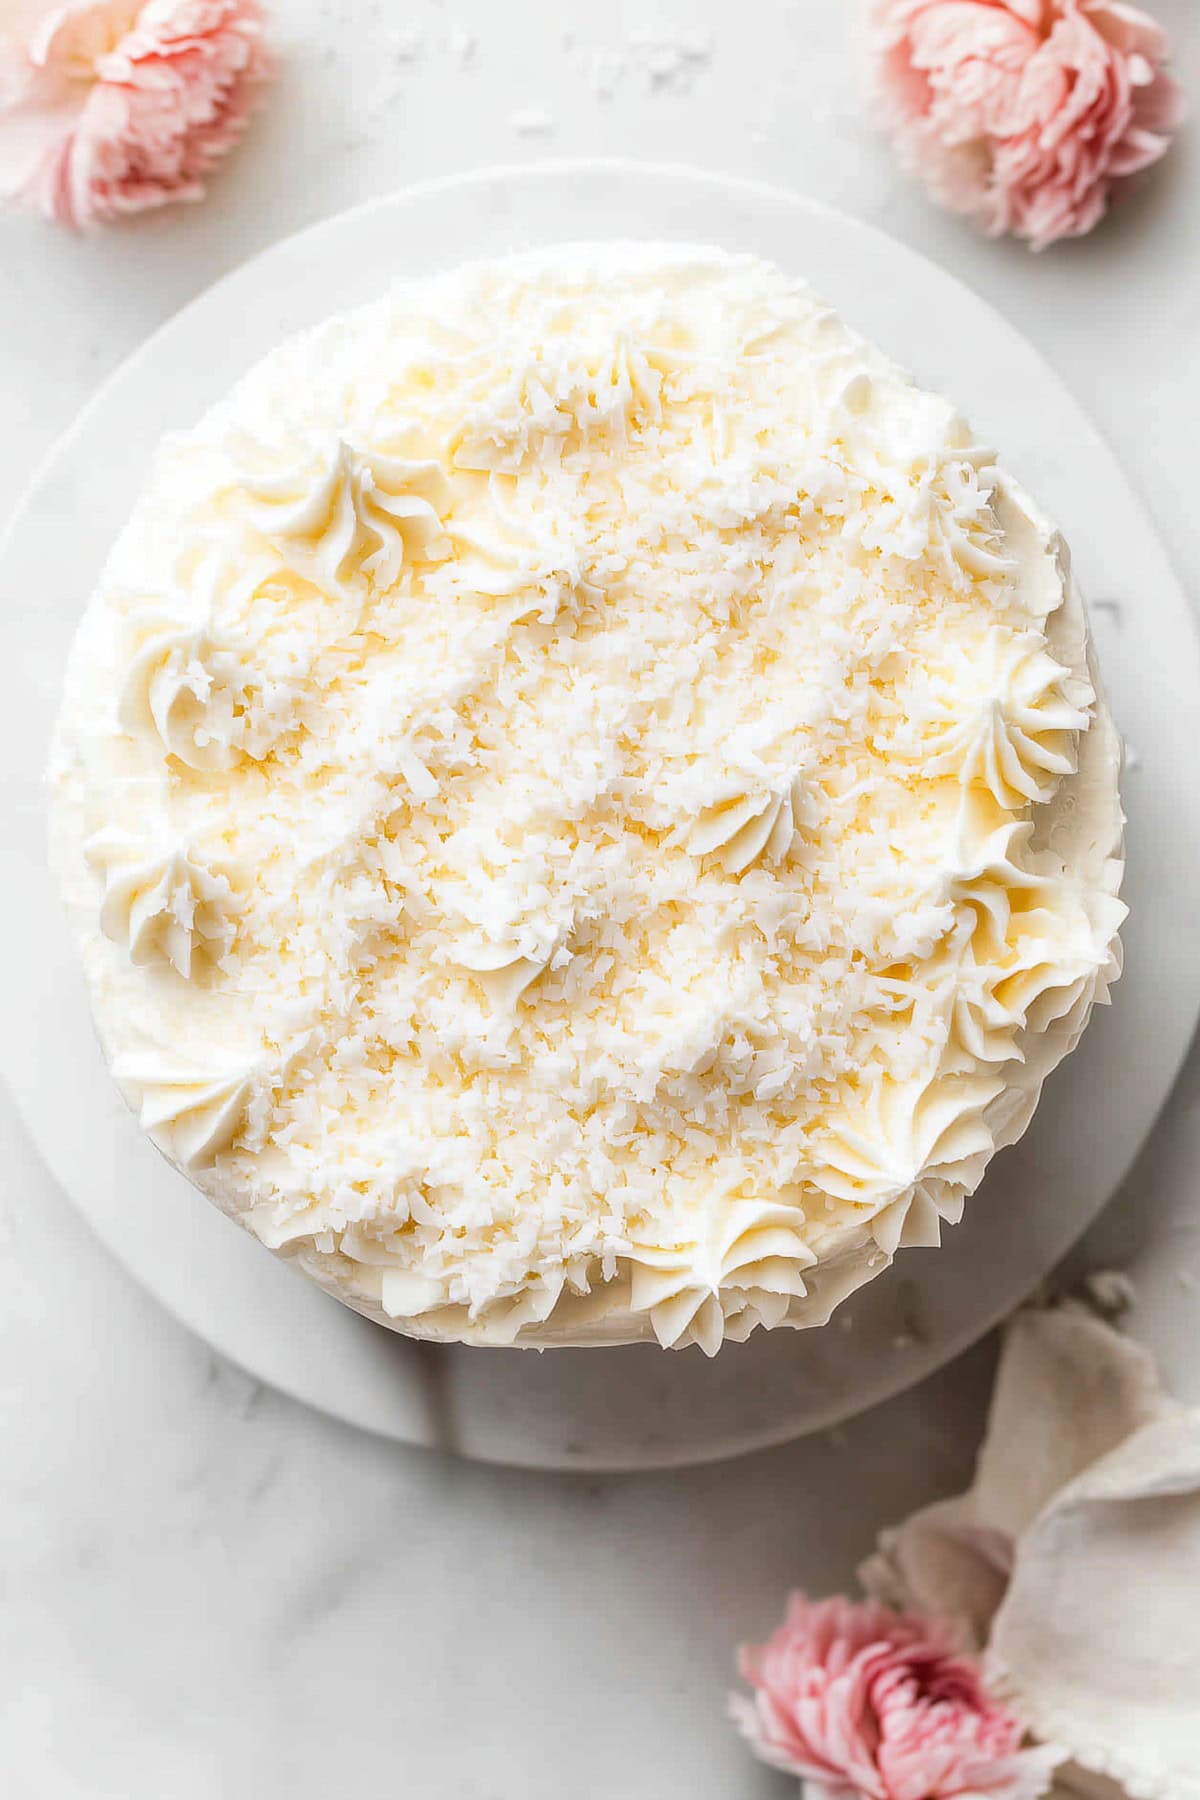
(636, 1407)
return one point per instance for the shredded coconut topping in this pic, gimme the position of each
(636, 716)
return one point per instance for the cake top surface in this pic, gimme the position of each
(558, 783)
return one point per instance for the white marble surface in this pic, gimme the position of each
(207, 1591)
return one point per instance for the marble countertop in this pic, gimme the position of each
(210, 1592)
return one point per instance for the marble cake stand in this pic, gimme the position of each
(635, 1407)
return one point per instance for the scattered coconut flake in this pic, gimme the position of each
(532, 121)
(605, 70)
(462, 45)
(671, 58)
(407, 44)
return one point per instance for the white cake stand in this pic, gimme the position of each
(637, 1407)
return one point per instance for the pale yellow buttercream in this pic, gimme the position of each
(584, 737)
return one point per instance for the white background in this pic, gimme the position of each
(207, 1592)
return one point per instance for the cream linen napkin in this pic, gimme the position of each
(1073, 1562)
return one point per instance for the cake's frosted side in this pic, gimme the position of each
(584, 806)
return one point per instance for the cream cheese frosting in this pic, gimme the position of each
(584, 805)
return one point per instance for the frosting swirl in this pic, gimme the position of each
(162, 905)
(351, 512)
(739, 830)
(192, 1111)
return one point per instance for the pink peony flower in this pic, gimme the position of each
(111, 106)
(858, 1700)
(1031, 115)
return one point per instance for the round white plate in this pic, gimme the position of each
(637, 1407)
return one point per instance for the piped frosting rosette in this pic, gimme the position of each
(584, 804)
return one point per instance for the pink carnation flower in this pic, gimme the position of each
(111, 106)
(858, 1700)
(1031, 115)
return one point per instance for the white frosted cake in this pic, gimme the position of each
(583, 804)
